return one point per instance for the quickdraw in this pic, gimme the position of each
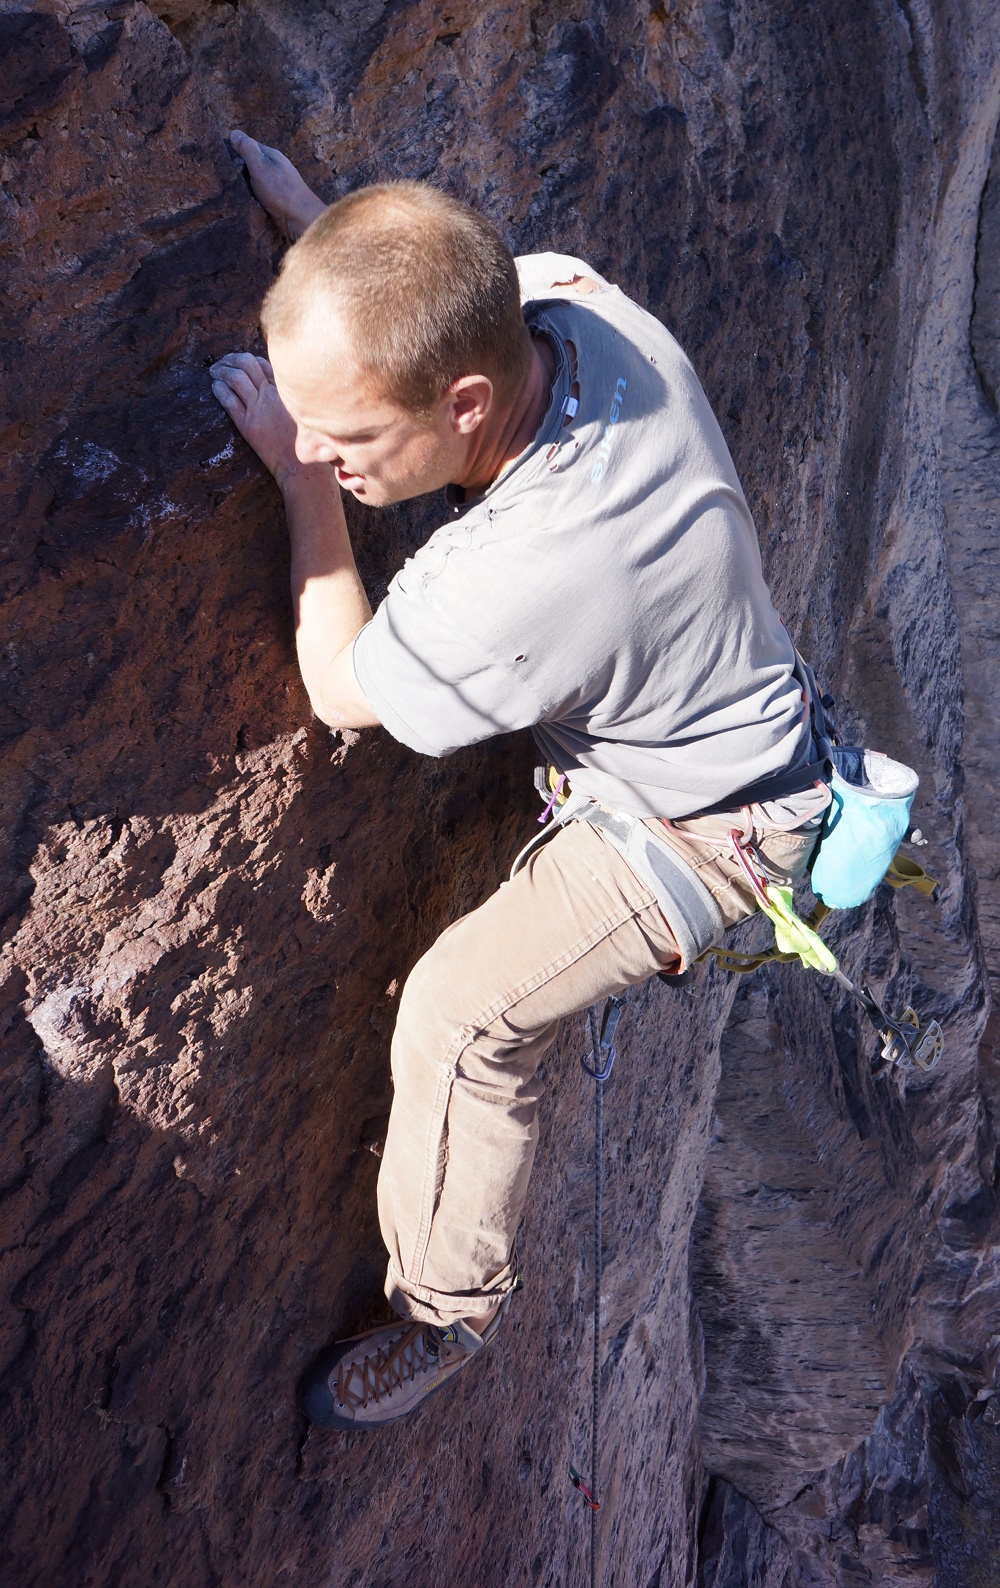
(577, 1481)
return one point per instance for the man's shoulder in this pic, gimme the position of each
(552, 275)
(551, 282)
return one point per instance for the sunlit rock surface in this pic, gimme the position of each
(209, 903)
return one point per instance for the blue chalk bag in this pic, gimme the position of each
(866, 822)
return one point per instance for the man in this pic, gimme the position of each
(599, 581)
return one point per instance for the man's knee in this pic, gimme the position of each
(437, 1000)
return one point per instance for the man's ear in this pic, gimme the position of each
(469, 400)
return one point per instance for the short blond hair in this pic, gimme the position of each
(426, 287)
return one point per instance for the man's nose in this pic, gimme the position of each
(313, 448)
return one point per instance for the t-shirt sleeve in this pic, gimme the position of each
(432, 685)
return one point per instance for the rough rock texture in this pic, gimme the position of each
(209, 903)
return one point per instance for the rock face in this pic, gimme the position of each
(209, 903)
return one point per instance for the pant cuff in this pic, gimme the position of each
(425, 1305)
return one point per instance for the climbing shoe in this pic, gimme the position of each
(376, 1377)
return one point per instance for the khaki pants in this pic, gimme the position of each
(477, 1014)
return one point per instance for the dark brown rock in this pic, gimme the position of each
(209, 903)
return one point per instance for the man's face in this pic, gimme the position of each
(379, 451)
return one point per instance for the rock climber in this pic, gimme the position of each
(597, 579)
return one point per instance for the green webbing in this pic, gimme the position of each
(743, 964)
(797, 939)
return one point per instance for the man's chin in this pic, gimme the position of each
(373, 495)
(370, 495)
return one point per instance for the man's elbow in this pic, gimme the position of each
(335, 693)
(344, 714)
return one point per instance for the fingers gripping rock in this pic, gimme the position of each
(244, 385)
(277, 185)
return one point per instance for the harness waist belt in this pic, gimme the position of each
(770, 788)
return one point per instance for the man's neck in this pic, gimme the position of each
(505, 437)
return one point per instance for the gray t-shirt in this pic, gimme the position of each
(606, 591)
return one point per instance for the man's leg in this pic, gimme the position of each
(476, 1016)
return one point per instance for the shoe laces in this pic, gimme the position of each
(365, 1379)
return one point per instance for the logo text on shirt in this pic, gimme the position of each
(604, 450)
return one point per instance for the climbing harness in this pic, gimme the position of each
(691, 912)
(696, 921)
(602, 1047)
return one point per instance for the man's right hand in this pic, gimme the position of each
(277, 185)
(331, 607)
(244, 385)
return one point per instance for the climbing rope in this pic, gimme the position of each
(602, 1034)
(796, 939)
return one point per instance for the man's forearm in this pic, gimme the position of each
(329, 599)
